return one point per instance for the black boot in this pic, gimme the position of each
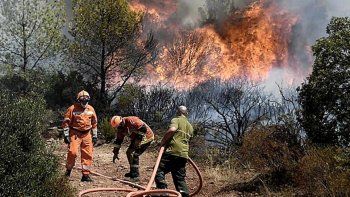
(86, 178)
(68, 172)
(127, 174)
(134, 179)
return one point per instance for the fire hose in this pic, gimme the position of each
(147, 190)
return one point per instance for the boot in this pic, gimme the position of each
(127, 174)
(86, 178)
(134, 179)
(68, 172)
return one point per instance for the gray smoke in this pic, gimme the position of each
(315, 15)
(70, 19)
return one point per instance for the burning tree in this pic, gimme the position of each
(243, 37)
(187, 53)
(108, 45)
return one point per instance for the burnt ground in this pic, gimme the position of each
(103, 164)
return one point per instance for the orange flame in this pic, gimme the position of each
(249, 42)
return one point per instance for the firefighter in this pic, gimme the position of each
(176, 143)
(141, 136)
(79, 121)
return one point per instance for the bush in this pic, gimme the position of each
(325, 172)
(273, 151)
(64, 88)
(30, 83)
(156, 105)
(107, 131)
(27, 168)
(219, 167)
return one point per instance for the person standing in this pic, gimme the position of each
(79, 121)
(176, 143)
(141, 136)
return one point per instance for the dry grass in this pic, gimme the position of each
(222, 170)
(325, 172)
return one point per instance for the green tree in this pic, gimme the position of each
(108, 47)
(325, 97)
(30, 34)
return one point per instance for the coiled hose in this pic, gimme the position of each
(147, 190)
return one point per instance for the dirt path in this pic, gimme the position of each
(103, 164)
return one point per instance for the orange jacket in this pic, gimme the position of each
(79, 118)
(135, 127)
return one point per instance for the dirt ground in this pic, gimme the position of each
(103, 164)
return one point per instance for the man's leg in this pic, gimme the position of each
(86, 156)
(134, 166)
(178, 173)
(72, 152)
(129, 154)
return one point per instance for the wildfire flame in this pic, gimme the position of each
(250, 42)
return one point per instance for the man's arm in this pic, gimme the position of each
(168, 135)
(118, 142)
(65, 124)
(67, 117)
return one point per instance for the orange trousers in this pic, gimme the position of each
(84, 141)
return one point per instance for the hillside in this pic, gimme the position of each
(103, 164)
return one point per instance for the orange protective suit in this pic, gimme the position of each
(141, 136)
(80, 122)
(131, 127)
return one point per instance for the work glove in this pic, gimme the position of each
(116, 153)
(94, 136)
(66, 135)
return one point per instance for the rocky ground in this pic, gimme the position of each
(103, 164)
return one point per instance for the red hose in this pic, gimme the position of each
(147, 190)
(151, 180)
(199, 176)
(104, 190)
(152, 192)
(115, 179)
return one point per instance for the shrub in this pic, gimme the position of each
(325, 172)
(272, 150)
(219, 169)
(107, 131)
(27, 168)
(30, 83)
(63, 89)
(155, 105)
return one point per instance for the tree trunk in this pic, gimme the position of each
(103, 76)
(24, 49)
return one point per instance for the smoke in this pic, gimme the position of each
(313, 17)
(70, 20)
(190, 11)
